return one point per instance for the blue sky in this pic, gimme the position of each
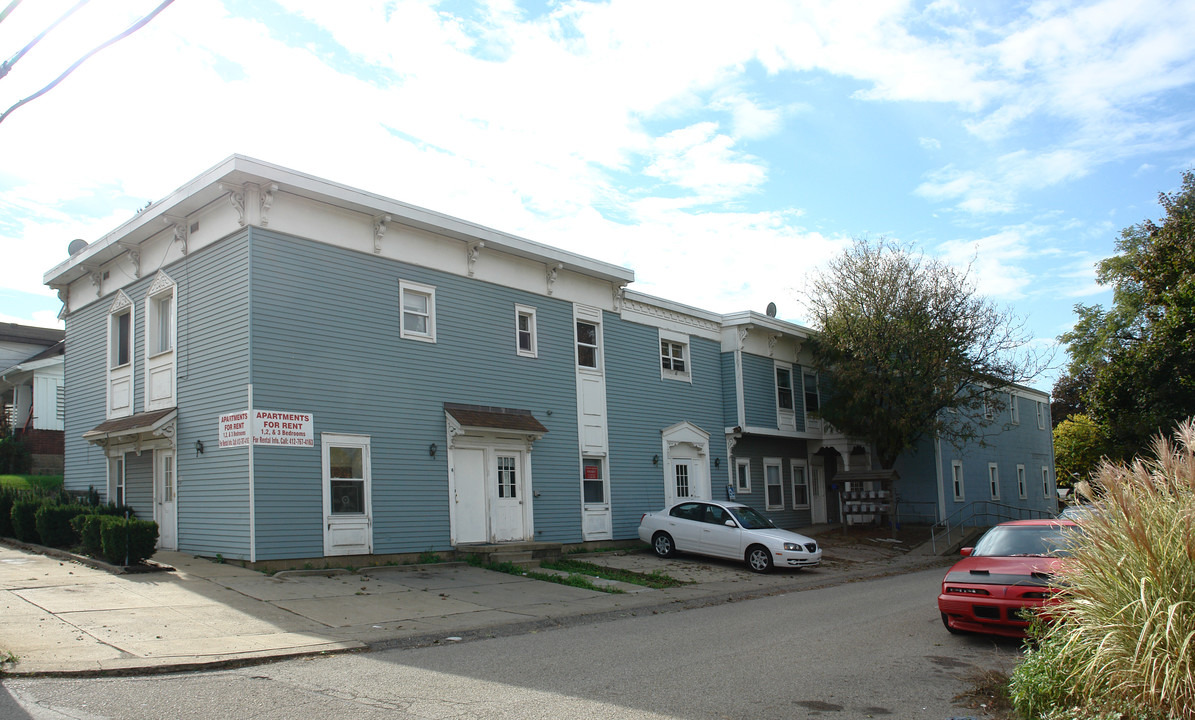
(723, 155)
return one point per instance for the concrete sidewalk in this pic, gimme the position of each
(61, 617)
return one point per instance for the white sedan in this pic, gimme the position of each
(726, 530)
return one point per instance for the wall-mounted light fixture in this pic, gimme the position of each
(198, 448)
(431, 449)
(655, 459)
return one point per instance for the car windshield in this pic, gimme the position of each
(750, 518)
(1014, 540)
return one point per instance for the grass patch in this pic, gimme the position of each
(574, 580)
(657, 579)
(43, 483)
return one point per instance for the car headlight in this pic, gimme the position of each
(791, 547)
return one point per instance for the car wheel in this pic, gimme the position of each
(953, 631)
(661, 542)
(759, 559)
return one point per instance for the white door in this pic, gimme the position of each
(817, 492)
(469, 495)
(595, 501)
(680, 485)
(348, 526)
(164, 500)
(506, 504)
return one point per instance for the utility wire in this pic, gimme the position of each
(4, 68)
(132, 29)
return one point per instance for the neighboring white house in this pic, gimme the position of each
(32, 391)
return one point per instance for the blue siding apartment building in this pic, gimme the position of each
(276, 367)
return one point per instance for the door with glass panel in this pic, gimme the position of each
(506, 503)
(348, 526)
(164, 502)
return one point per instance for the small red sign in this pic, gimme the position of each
(591, 472)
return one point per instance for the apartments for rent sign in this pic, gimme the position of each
(267, 427)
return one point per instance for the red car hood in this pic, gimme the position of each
(1004, 570)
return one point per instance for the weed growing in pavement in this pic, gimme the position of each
(510, 568)
(428, 557)
(656, 579)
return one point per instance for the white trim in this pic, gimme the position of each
(161, 376)
(792, 480)
(253, 489)
(786, 419)
(1022, 485)
(742, 463)
(527, 311)
(589, 316)
(347, 440)
(958, 483)
(1045, 482)
(1014, 408)
(994, 480)
(680, 340)
(1041, 415)
(120, 375)
(405, 286)
(767, 500)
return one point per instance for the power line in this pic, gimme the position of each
(7, 65)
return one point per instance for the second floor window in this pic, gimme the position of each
(525, 341)
(587, 347)
(418, 311)
(122, 339)
(784, 388)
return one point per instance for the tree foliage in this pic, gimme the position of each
(904, 338)
(1079, 445)
(1140, 353)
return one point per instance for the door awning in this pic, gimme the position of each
(147, 425)
(480, 418)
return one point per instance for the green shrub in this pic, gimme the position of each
(54, 524)
(15, 458)
(87, 526)
(1124, 640)
(6, 499)
(127, 542)
(24, 518)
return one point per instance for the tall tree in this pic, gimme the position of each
(1140, 353)
(905, 338)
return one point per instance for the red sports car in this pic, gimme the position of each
(1011, 568)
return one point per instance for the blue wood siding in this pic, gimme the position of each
(639, 404)
(759, 392)
(730, 395)
(212, 361)
(139, 483)
(325, 337)
(755, 448)
(85, 465)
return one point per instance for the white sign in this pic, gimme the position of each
(234, 429)
(267, 427)
(283, 428)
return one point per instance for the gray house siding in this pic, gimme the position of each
(212, 365)
(325, 330)
(755, 448)
(730, 395)
(85, 465)
(759, 392)
(917, 488)
(640, 404)
(139, 484)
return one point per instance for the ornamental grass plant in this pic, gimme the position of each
(1122, 643)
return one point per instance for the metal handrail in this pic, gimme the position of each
(967, 514)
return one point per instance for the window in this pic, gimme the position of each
(525, 339)
(587, 344)
(742, 473)
(346, 469)
(956, 475)
(593, 486)
(122, 338)
(988, 412)
(674, 355)
(775, 491)
(418, 311)
(60, 399)
(168, 478)
(1014, 408)
(994, 480)
(1045, 481)
(784, 388)
(507, 477)
(161, 323)
(116, 479)
(800, 485)
(1041, 415)
(812, 399)
(1021, 482)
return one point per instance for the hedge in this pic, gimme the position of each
(87, 526)
(6, 500)
(54, 524)
(24, 518)
(127, 542)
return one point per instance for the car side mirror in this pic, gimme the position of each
(966, 552)
(729, 523)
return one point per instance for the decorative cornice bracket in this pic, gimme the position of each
(552, 272)
(379, 231)
(472, 251)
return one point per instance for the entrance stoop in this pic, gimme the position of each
(527, 554)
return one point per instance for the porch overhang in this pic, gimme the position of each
(474, 419)
(142, 430)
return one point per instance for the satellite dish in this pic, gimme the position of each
(771, 309)
(77, 245)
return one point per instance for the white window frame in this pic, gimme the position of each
(605, 483)
(988, 411)
(116, 481)
(994, 480)
(958, 484)
(119, 376)
(803, 467)
(1041, 415)
(767, 496)
(786, 418)
(597, 345)
(428, 291)
(742, 471)
(526, 311)
(113, 353)
(1014, 408)
(675, 340)
(159, 324)
(1022, 490)
(1045, 481)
